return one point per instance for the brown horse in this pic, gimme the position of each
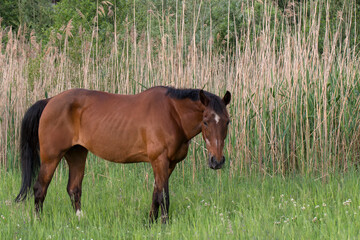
(155, 126)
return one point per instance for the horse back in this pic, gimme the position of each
(119, 128)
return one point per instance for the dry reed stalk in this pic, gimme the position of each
(285, 116)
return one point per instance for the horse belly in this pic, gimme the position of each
(114, 143)
(120, 154)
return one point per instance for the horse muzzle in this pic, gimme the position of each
(215, 164)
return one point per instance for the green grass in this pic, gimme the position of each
(211, 205)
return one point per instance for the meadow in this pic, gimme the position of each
(210, 205)
(293, 146)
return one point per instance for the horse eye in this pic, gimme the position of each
(205, 123)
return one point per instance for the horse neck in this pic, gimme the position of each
(190, 116)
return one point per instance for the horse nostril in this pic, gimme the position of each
(212, 162)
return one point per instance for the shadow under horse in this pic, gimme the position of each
(154, 126)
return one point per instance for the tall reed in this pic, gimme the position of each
(293, 109)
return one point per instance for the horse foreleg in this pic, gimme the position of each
(161, 190)
(160, 198)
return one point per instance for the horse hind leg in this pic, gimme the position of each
(76, 158)
(46, 172)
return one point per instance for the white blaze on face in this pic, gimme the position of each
(217, 118)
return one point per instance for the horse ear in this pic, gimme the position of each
(203, 98)
(227, 98)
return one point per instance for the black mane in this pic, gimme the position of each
(193, 94)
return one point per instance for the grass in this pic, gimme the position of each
(116, 200)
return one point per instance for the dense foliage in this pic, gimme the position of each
(226, 18)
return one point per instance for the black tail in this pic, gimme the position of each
(29, 147)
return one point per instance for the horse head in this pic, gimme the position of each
(214, 126)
